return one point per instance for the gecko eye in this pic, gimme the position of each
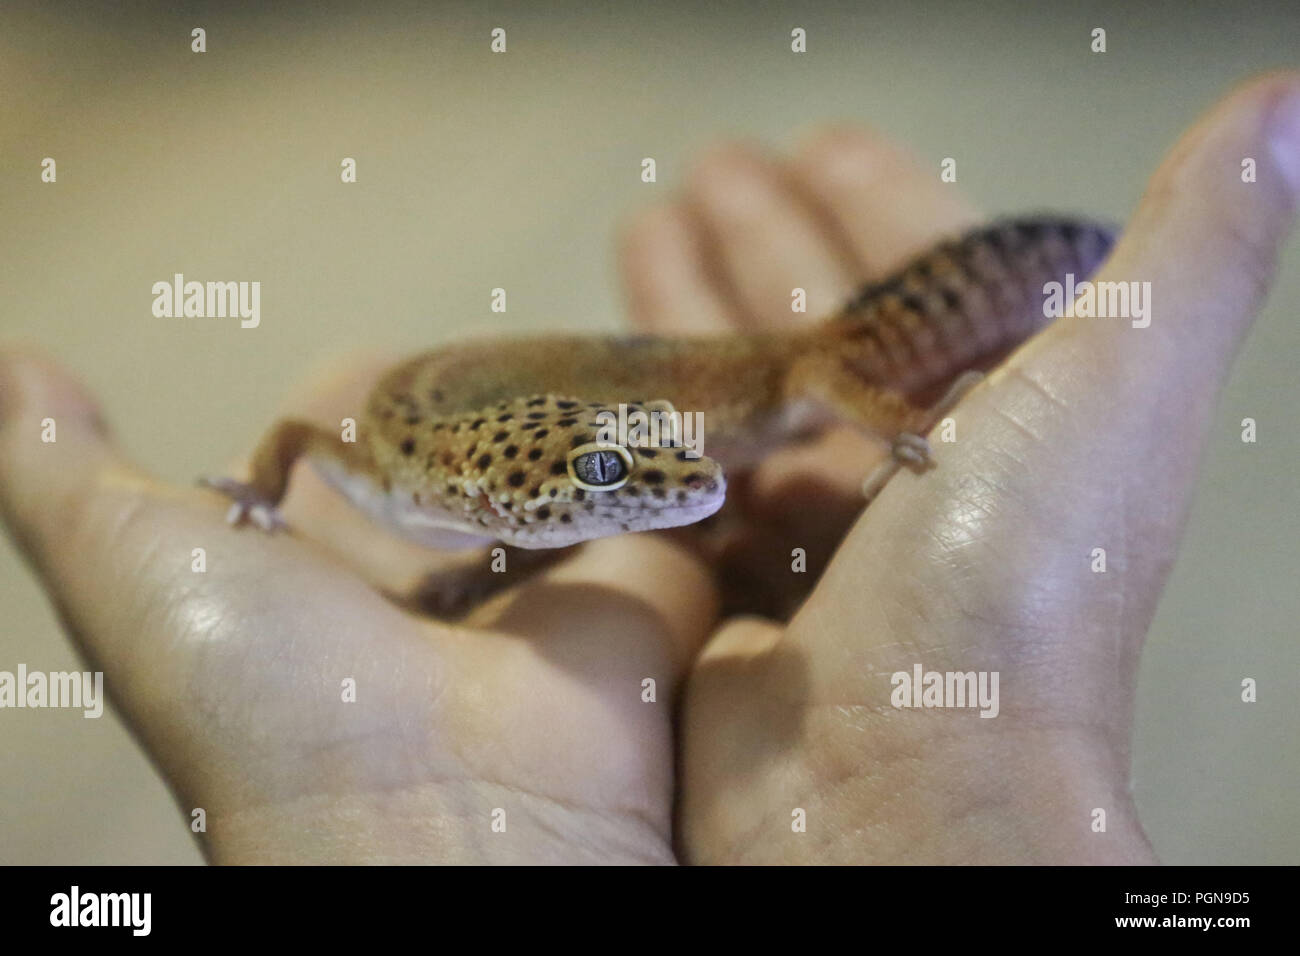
(598, 467)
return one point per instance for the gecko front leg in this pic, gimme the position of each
(288, 440)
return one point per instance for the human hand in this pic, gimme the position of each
(1088, 437)
(233, 678)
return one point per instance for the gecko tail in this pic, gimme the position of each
(967, 300)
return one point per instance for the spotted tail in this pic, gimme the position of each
(967, 299)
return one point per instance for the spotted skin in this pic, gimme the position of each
(477, 442)
(503, 470)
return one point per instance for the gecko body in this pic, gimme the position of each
(503, 439)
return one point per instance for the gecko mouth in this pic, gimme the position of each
(667, 515)
(706, 505)
(670, 500)
(577, 523)
(588, 525)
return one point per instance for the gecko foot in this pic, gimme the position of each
(911, 450)
(907, 449)
(247, 503)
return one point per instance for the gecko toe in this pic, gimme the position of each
(912, 450)
(246, 504)
(266, 517)
(227, 486)
(907, 449)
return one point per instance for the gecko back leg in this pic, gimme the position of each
(877, 410)
(913, 448)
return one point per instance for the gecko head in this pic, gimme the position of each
(581, 486)
(609, 489)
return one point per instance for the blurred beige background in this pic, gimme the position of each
(477, 171)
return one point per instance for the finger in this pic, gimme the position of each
(766, 241)
(105, 538)
(885, 205)
(668, 286)
(63, 485)
(85, 515)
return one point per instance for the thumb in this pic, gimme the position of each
(1129, 401)
(1088, 437)
(1122, 405)
(1206, 236)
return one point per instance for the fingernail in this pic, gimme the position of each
(1284, 138)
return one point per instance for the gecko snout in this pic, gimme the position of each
(693, 483)
(696, 480)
